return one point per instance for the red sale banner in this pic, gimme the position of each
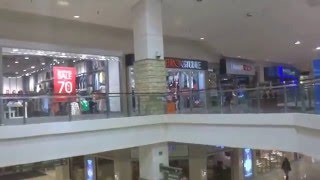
(64, 81)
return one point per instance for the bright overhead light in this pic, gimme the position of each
(32, 67)
(297, 43)
(16, 62)
(202, 38)
(76, 17)
(26, 57)
(17, 72)
(24, 70)
(63, 3)
(318, 48)
(43, 63)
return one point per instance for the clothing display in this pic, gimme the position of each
(84, 105)
(81, 81)
(75, 109)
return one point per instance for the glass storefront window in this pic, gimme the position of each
(32, 72)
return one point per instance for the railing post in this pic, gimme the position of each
(285, 99)
(258, 99)
(302, 98)
(191, 100)
(69, 109)
(221, 100)
(139, 108)
(24, 111)
(2, 114)
(108, 105)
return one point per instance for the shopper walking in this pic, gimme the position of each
(286, 167)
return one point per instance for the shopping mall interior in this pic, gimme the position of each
(159, 90)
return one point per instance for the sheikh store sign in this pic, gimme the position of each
(176, 63)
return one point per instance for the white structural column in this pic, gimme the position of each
(147, 29)
(150, 158)
(236, 165)
(197, 162)
(122, 165)
(150, 72)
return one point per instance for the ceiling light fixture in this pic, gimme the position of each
(24, 70)
(297, 43)
(202, 38)
(17, 62)
(318, 48)
(8, 65)
(26, 57)
(76, 17)
(32, 67)
(17, 72)
(63, 3)
(43, 63)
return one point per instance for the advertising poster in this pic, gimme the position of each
(90, 171)
(247, 163)
(64, 82)
(316, 72)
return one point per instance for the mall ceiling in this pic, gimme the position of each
(262, 30)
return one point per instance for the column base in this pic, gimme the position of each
(151, 86)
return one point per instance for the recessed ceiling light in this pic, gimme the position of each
(17, 72)
(15, 50)
(16, 62)
(43, 63)
(202, 38)
(26, 57)
(76, 17)
(63, 3)
(318, 48)
(24, 70)
(32, 67)
(297, 43)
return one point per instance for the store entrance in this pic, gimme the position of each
(184, 87)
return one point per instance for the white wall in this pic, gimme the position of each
(27, 27)
(285, 132)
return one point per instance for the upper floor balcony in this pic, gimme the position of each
(18, 109)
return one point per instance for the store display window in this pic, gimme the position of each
(88, 77)
(267, 160)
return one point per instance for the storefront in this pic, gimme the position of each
(51, 73)
(186, 81)
(235, 72)
(282, 75)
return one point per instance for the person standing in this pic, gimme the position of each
(286, 167)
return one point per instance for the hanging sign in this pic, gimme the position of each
(64, 81)
(186, 64)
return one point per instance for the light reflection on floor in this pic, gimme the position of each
(304, 169)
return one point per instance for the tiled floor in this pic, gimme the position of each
(301, 170)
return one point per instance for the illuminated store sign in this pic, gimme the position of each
(247, 163)
(186, 64)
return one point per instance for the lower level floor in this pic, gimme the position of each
(186, 162)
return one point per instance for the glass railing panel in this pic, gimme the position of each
(33, 110)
